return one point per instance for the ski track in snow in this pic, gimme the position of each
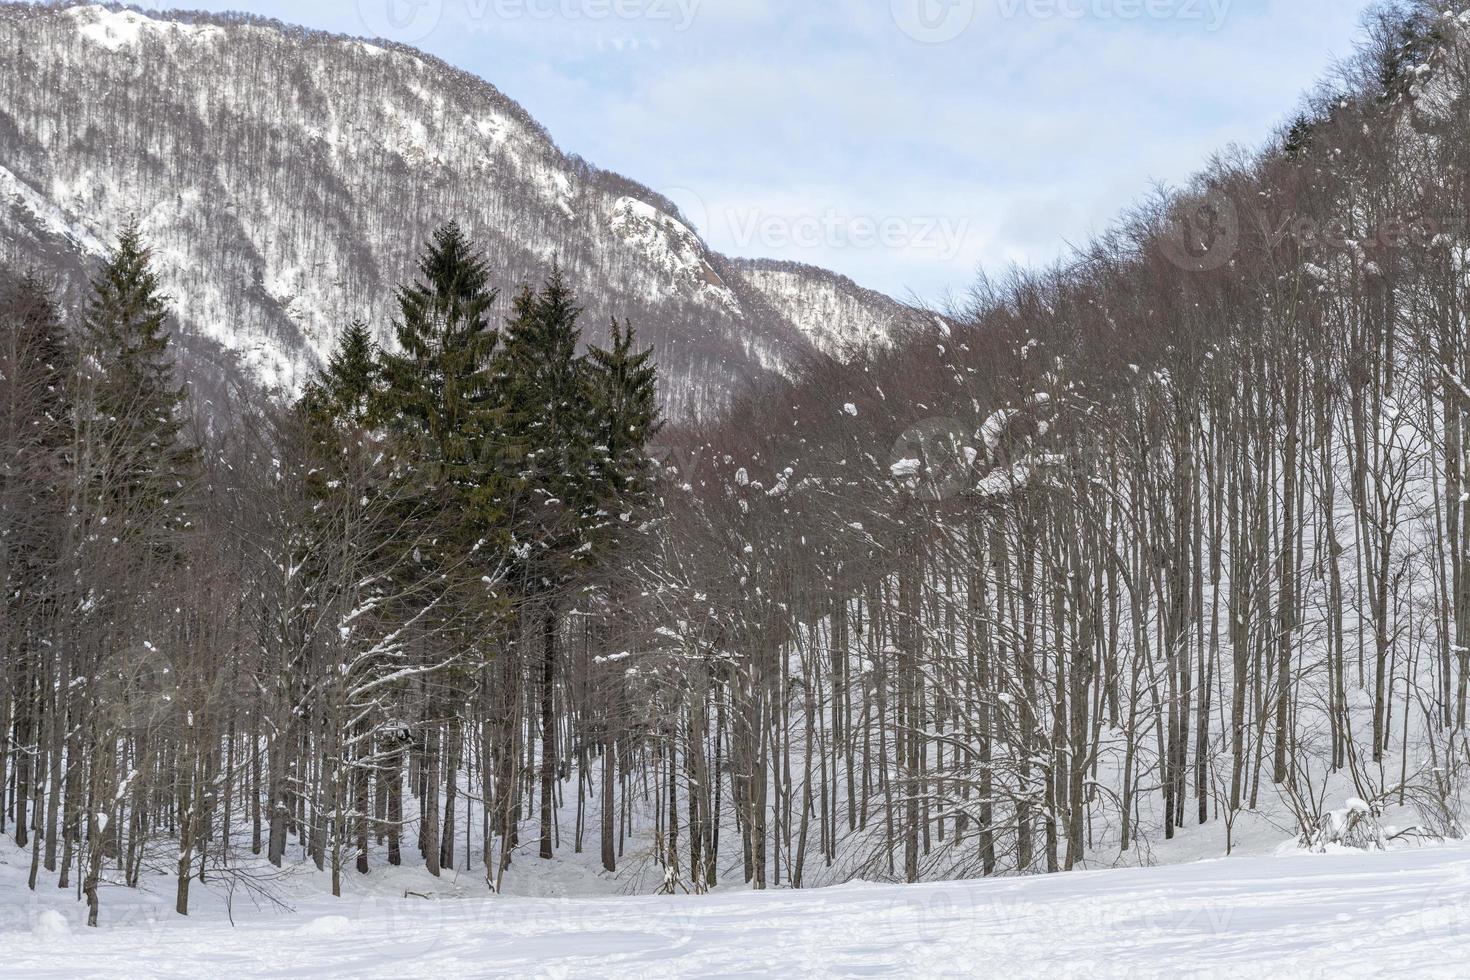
(1404, 913)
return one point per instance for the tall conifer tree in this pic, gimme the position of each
(350, 379)
(623, 391)
(550, 431)
(141, 463)
(438, 401)
(556, 476)
(437, 395)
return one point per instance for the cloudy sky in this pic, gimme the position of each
(905, 143)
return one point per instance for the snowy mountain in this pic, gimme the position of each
(832, 311)
(287, 178)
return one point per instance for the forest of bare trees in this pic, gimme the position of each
(1172, 533)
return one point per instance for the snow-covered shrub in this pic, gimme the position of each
(51, 926)
(1355, 825)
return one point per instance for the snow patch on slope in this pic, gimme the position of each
(49, 216)
(672, 247)
(118, 29)
(835, 314)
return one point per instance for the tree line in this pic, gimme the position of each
(1174, 532)
(282, 618)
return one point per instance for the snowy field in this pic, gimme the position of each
(1405, 913)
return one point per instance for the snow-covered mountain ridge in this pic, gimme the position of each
(836, 313)
(286, 179)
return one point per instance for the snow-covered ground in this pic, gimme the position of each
(1343, 914)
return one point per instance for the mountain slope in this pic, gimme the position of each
(833, 312)
(286, 179)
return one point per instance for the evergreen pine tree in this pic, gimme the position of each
(551, 436)
(1298, 137)
(36, 363)
(35, 433)
(437, 401)
(623, 391)
(555, 476)
(139, 461)
(437, 394)
(350, 379)
(335, 411)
